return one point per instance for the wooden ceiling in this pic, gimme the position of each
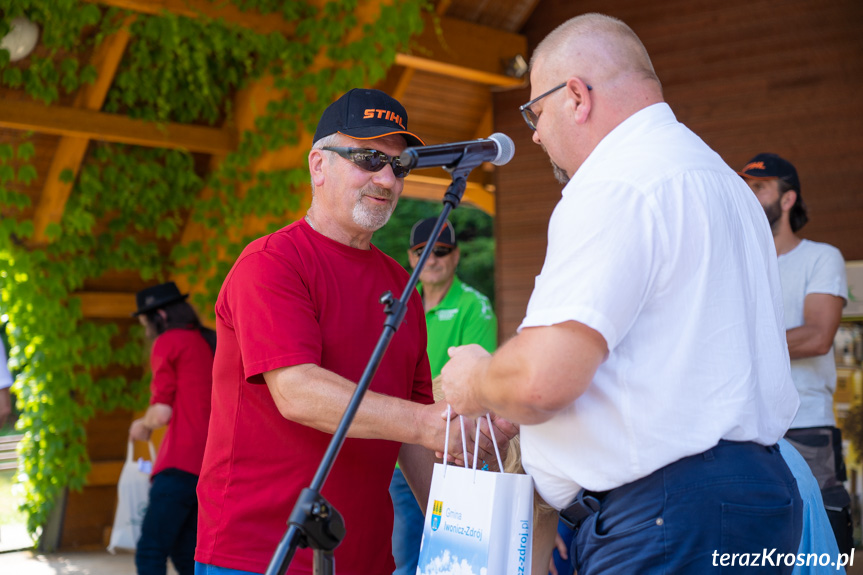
(445, 82)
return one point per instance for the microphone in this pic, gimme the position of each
(497, 149)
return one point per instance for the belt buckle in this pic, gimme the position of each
(582, 507)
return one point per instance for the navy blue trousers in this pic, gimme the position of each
(170, 527)
(732, 509)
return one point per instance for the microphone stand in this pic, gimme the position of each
(314, 522)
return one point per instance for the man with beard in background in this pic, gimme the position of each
(814, 288)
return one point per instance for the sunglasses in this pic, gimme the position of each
(438, 251)
(370, 160)
(531, 117)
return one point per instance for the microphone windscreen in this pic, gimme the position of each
(505, 148)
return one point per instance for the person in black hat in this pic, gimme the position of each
(814, 288)
(298, 317)
(181, 362)
(456, 314)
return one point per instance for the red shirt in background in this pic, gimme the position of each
(182, 364)
(297, 297)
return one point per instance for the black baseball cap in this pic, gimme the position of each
(157, 296)
(365, 114)
(770, 166)
(422, 230)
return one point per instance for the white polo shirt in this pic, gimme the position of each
(663, 249)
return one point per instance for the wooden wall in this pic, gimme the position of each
(90, 512)
(748, 76)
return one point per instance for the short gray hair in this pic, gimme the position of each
(333, 139)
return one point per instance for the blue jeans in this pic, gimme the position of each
(408, 521)
(692, 516)
(170, 525)
(204, 569)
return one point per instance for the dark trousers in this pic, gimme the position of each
(170, 525)
(821, 447)
(694, 515)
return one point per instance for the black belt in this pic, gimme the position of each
(585, 504)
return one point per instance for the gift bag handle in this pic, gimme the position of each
(130, 456)
(464, 441)
(493, 442)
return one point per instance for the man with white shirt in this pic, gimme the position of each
(814, 288)
(650, 374)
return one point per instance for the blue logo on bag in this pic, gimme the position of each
(436, 512)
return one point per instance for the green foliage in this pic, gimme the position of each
(128, 203)
(475, 234)
(64, 38)
(57, 353)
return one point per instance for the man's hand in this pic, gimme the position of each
(458, 378)
(564, 554)
(139, 431)
(504, 431)
(5, 405)
(435, 420)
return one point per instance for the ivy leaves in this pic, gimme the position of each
(54, 67)
(129, 205)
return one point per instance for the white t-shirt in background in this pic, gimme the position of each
(812, 267)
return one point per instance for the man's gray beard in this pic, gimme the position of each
(372, 218)
(559, 173)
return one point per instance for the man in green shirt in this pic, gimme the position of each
(456, 314)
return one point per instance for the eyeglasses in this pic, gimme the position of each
(370, 160)
(532, 117)
(438, 251)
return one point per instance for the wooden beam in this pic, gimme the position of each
(222, 10)
(106, 59)
(114, 128)
(107, 305)
(455, 71)
(465, 50)
(432, 188)
(70, 150)
(442, 7)
(402, 85)
(486, 123)
(462, 50)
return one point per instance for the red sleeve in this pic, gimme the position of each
(267, 303)
(163, 386)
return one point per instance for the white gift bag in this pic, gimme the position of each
(133, 492)
(477, 522)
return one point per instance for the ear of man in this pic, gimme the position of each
(316, 166)
(578, 99)
(788, 200)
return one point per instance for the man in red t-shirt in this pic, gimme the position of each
(182, 364)
(297, 319)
